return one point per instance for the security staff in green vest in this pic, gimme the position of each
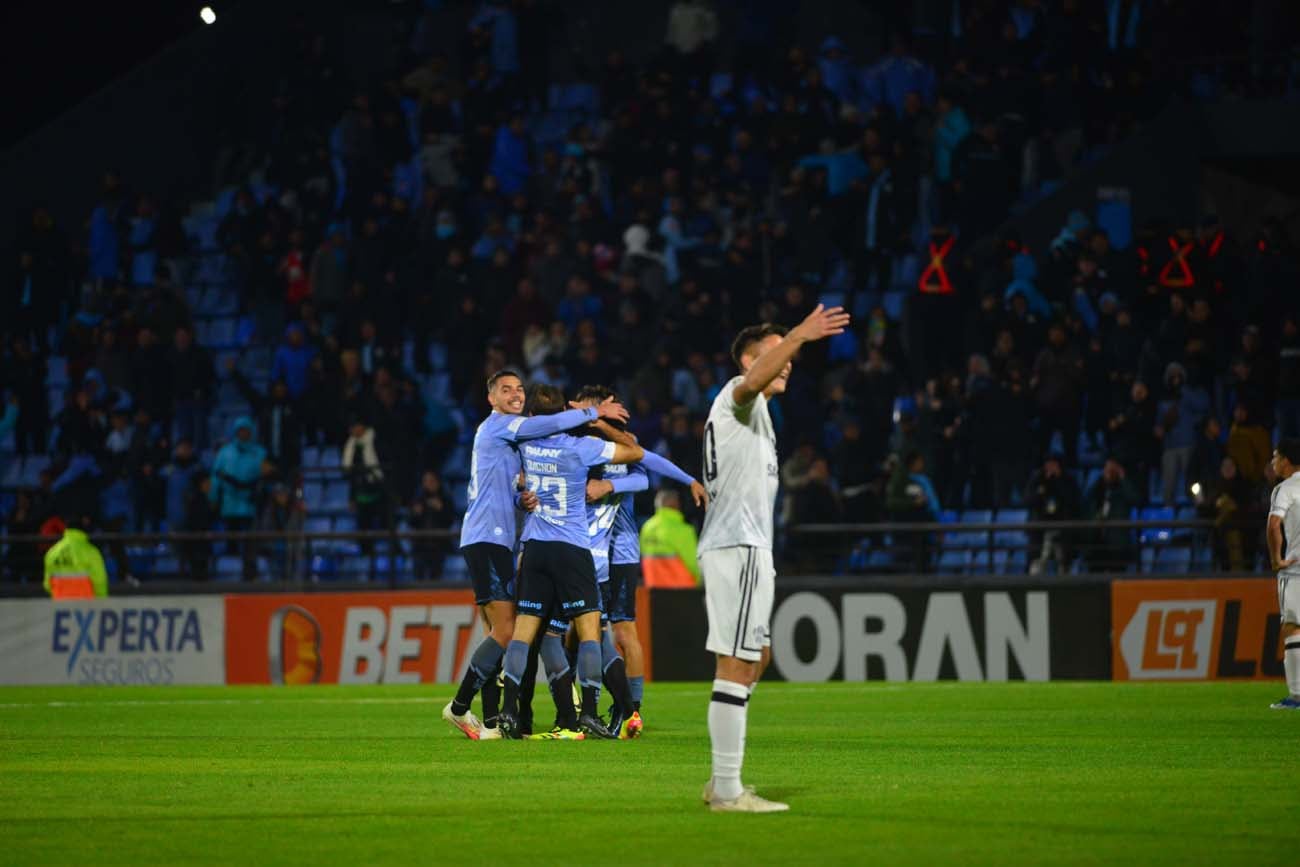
(74, 568)
(668, 545)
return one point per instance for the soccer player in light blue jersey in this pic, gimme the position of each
(487, 535)
(616, 547)
(558, 574)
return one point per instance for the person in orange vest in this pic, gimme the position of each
(668, 544)
(74, 568)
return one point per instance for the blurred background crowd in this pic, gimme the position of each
(307, 348)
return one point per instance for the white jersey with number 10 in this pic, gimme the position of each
(740, 472)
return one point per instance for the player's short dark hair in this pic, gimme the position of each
(544, 400)
(501, 374)
(595, 392)
(1289, 448)
(753, 334)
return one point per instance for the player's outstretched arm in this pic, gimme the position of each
(821, 323)
(634, 482)
(625, 454)
(537, 426)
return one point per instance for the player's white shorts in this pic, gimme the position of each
(739, 584)
(1288, 597)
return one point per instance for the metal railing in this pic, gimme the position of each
(264, 560)
(1033, 547)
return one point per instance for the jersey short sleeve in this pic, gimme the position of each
(1283, 497)
(726, 399)
(594, 451)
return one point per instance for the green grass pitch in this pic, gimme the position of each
(875, 774)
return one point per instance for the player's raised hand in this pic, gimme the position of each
(822, 323)
(612, 410)
(700, 495)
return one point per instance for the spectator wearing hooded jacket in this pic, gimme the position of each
(278, 419)
(1178, 424)
(1024, 271)
(235, 475)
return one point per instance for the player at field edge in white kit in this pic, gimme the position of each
(1284, 530)
(735, 550)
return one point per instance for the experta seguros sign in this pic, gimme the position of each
(132, 641)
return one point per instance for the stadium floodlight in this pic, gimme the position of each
(207, 15)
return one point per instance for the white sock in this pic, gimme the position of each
(1291, 662)
(727, 735)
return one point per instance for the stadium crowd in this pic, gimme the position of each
(472, 212)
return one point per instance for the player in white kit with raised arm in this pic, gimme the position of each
(741, 474)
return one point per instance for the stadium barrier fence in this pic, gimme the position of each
(400, 557)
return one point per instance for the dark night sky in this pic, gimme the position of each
(59, 53)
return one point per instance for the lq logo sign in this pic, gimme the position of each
(1195, 630)
(1169, 639)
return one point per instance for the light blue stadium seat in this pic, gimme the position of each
(354, 568)
(1152, 535)
(893, 304)
(345, 523)
(331, 457)
(1174, 560)
(228, 568)
(167, 567)
(983, 564)
(1011, 538)
(336, 497)
(1017, 562)
(955, 561)
(310, 457)
(313, 494)
(323, 568)
(221, 332)
(976, 516)
(454, 569)
(318, 525)
(880, 560)
(33, 465)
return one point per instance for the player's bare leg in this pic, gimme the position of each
(629, 647)
(499, 619)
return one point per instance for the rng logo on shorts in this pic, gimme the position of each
(569, 606)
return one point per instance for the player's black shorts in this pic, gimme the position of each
(619, 592)
(557, 580)
(492, 571)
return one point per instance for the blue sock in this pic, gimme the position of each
(589, 675)
(482, 665)
(554, 658)
(638, 689)
(608, 652)
(515, 663)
